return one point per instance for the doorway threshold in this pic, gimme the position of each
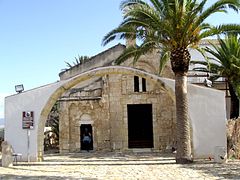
(139, 150)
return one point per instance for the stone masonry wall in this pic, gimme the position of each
(164, 121)
(108, 116)
(73, 116)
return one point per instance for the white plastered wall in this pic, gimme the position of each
(33, 100)
(207, 115)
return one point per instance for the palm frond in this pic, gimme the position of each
(135, 52)
(221, 29)
(128, 3)
(164, 58)
(78, 60)
(218, 6)
(68, 64)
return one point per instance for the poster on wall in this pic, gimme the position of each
(27, 120)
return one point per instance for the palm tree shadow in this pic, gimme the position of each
(230, 170)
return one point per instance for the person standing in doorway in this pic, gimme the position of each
(87, 138)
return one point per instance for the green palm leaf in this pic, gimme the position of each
(224, 59)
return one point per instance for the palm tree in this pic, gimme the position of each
(171, 27)
(53, 122)
(224, 61)
(78, 61)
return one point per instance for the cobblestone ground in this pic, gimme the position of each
(91, 166)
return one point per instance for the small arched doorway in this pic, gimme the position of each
(83, 129)
(86, 124)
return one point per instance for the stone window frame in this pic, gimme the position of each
(139, 84)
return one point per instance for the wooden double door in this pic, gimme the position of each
(140, 126)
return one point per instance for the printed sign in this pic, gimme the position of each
(27, 120)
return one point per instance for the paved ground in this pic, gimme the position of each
(91, 166)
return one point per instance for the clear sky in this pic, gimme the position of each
(37, 36)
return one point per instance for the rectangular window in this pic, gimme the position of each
(144, 85)
(136, 84)
(139, 86)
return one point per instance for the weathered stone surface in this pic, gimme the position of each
(233, 137)
(108, 114)
(7, 152)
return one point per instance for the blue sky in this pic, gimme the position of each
(36, 37)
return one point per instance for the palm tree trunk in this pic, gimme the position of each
(183, 155)
(234, 111)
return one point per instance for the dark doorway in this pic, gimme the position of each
(140, 128)
(83, 128)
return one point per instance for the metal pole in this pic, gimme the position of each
(28, 145)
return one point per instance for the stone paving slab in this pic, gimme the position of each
(93, 166)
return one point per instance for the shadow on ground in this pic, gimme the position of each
(9, 176)
(53, 162)
(104, 159)
(230, 170)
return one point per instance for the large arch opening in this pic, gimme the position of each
(97, 72)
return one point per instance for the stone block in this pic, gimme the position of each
(117, 145)
(7, 152)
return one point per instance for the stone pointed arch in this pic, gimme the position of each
(167, 84)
